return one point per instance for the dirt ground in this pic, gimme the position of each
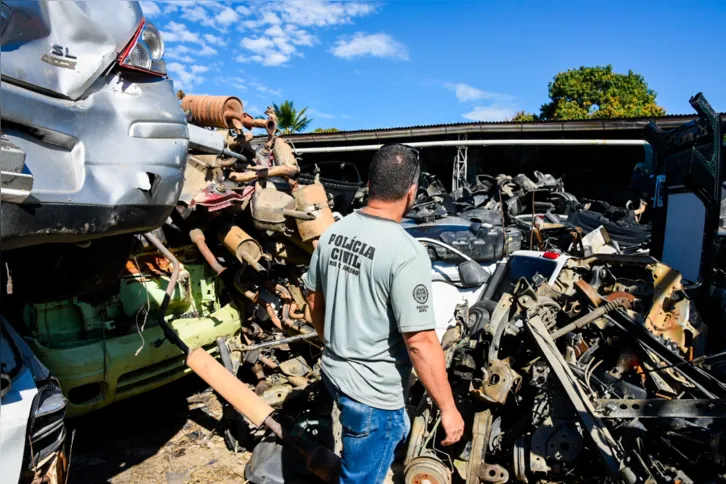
(156, 438)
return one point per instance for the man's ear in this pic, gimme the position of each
(411, 195)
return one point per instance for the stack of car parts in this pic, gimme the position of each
(255, 223)
(601, 376)
(537, 214)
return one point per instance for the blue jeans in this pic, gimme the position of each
(370, 438)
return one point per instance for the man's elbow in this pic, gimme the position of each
(421, 342)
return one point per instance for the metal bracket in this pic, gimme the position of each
(661, 408)
(460, 164)
(610, 451)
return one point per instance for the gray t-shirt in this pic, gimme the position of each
(377, 284)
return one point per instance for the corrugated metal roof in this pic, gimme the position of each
(489, 127)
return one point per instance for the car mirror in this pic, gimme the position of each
(471, 274)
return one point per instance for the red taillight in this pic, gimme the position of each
(144, 52)
(550, 255)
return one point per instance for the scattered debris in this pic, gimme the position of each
(596, 374)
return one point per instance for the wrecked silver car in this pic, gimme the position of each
(93, 140)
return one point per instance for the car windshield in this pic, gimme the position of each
(523, 267)
(527, 267)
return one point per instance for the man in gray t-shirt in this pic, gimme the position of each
(370, 296)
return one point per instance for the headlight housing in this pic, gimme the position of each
(145, 51)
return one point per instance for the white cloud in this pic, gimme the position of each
(270, 18)
(499, 108)
(179, 33)
(197, 14)
(258, 45)
(209, 14)
(300, 37)
(465, 92)
(206, 50)
(346, 116)
(490, 113)
(150, 9)
(226, 17)
(186, 79)
(269, 51)
(321, 13)
(275, 59)
(376, 45)
(179, 52)
(213, 39)
(315, 112)
(265, 89)
(237, 82)
(253, 110)
(244, 11)
(275, 31)
(291, 24)
(251, 24)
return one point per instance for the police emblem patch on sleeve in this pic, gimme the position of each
(420, 294)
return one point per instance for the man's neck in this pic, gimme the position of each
(388, 210)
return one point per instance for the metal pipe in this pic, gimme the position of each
(298, 214)
(294, 314)
(273, 317)
(231, 154)
(280, 342)
(484, 142)
(252, 262)
(268, 363)
(282, 292)
(255, 173)
(320, 460)
(589, 317)
(198, 239)
(296, 324)
(168, 332)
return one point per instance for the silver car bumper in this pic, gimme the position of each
(110, 163)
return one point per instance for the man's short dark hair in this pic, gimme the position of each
(393, 170)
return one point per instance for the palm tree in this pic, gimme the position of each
(289, 120)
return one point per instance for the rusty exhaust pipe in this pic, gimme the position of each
(256, 173)
(268, 124)
(320, 460)
(242, 245)
(199, 240)
(215, 111)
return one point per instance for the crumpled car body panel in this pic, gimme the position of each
(63, 47)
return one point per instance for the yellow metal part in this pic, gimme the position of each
(668, 317)
(95, 375)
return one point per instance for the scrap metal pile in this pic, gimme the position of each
(598, 376)
(597, 368)
(537, 214)
(255, 221)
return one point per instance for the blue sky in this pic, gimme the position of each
(360, 65)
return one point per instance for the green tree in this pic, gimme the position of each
(599, 93)
(523, 117)
(326, 130)
(289, 119)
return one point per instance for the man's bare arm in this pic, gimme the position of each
(427, 357)
(316, 300)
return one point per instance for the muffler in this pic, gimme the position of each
(320, 461)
